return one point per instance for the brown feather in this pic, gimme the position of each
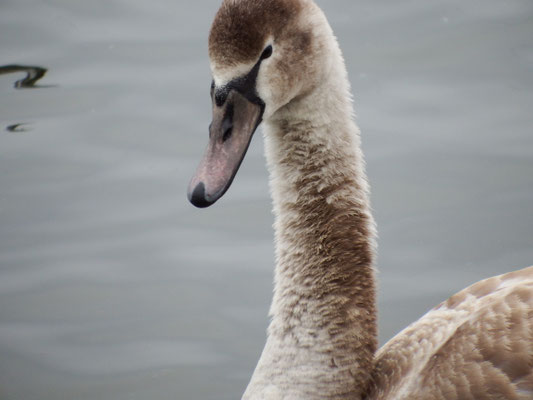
(488, 356)
(241, 28)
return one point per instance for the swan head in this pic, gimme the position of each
(263, 54)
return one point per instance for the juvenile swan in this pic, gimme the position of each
(278, 62)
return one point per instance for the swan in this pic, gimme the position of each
(278, 63)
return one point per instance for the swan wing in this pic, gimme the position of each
(476, 345)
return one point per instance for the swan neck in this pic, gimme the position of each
(322, 337)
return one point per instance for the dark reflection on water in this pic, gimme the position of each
(21, 127)
(33, 74)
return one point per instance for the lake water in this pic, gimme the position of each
(113, 287)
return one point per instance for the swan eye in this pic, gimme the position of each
(267, 52)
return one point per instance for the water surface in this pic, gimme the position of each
(113, 287)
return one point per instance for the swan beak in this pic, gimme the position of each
(230, 133)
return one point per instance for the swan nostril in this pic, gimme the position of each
(227, 134)
(227, 123)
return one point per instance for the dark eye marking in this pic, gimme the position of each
(245, 85)
(266, 53)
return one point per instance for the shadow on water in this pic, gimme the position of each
(33, 74)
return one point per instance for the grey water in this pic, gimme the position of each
(113, 287)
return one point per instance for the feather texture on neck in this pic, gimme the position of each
(322, 337)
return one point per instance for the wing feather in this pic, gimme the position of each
(476, 345)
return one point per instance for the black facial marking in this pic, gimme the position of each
(221, 94)
(245, 85)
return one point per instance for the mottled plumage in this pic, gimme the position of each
(322, 340)
(476, 345)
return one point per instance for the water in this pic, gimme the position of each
(113, 287)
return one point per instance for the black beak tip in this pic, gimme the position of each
(198, 197)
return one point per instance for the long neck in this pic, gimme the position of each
(322, 337)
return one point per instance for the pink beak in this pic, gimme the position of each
(230, 133)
